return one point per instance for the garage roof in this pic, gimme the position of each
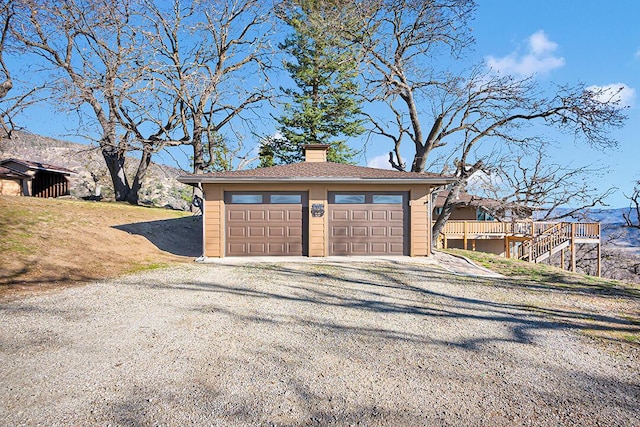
(318, 172)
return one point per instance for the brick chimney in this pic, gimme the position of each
(315, 153)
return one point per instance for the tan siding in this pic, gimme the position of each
(492, 246)
(10, 187)
(213, 221)
(420, 245)
(467, 213)
(318, 225)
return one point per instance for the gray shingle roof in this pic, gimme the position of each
(314, 171)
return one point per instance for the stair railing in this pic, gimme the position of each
(546, 242)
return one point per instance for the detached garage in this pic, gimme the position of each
(316, 208)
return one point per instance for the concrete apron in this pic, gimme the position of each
(454, 264)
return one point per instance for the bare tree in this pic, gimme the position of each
(467, 114)
(496, 113)
(634, 208)
(10, 106)
(91, 48)
(404, 41)
(6, 14)
(210, 62)
(527, 181)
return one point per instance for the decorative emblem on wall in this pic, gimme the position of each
(317, 210)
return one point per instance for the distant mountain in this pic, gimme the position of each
(614, 232)
(159, 188)
(611, 216)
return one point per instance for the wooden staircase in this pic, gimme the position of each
(547, 243)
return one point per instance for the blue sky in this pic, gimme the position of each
(592, 42)
(568, 42)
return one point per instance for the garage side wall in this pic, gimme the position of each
(420, 221)
(213, 223)
(214, 213)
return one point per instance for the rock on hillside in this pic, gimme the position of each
(159, 188)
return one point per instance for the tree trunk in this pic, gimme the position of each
(145, 161)
(115, 163)
(446, 211)
(419, 161)
(198, 160)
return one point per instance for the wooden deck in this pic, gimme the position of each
(535, 240)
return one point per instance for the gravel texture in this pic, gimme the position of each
(380, 342)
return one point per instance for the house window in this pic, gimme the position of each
(346, 199)
(482, 215)
(438, 211)
(286, 198)
(246, 199)
(387, 198)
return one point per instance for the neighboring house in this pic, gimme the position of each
(468, 208)
(472, 226)
(38, 179)
(316, 208)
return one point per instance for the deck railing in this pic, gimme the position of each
(490, 228)
(584, 230)
(532, 240)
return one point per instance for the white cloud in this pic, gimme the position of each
(539, 58)
(616, 92)
(637, 55)
(380, 162)
(540, 44)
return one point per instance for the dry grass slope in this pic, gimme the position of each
(47, 243)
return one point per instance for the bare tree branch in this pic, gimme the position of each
(634, 208)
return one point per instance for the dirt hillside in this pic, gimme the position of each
(47, 243)
(159, 188)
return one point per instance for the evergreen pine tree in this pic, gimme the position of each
(323, 107)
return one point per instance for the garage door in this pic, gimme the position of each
(368, 223)
(261, 224)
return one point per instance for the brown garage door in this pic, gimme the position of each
(368, 223)
(259, 224)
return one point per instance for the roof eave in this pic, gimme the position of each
(192, 180)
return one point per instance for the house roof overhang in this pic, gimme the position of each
(39, 166)
(10, 173)
(203, 179)
(321, 172)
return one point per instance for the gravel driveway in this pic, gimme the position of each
(302, 343)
